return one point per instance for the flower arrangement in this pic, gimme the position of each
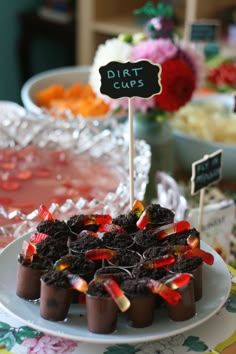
(182, 65)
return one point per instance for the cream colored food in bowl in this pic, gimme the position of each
(204, 126)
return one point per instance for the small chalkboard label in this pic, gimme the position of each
(130, 79)
(204, 31)
(206, 171)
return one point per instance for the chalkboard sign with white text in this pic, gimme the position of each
(130, 79)
(206, 171)
(206, 31)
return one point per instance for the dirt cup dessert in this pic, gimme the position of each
(52, 249)
(86, 240)
(56, 233)
(167, 242)
(125, 258)
(79, 266)
(30, 268)
(128, 221)
(53, 227)
(155, 216)
(93, 222)
(104, 299)
(189, 237)
(155, 268)
(144, 239)
(142, 294)
(56, 293)
(142, 302)
(121, 277)
(191, 261)
(185, 308)
(117, 240)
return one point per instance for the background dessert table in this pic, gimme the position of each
(215, 336)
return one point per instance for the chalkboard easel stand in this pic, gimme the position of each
(201, 207)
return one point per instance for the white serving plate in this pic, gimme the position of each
(216, 280)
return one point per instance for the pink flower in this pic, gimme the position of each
(154, 50)
(47, 344)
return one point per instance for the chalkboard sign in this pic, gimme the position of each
(130, 79)
(206, 31)
(206, 171)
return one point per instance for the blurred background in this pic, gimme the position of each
(70, 33)
(23, 42)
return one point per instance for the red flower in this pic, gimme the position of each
(178, 84)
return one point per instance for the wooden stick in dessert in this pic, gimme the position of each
(131, 154)
(130, 79)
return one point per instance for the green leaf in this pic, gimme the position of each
(120, 349)
(4, 325)
(164, 10)
(8, 340)
(148, 9)
(193, 343)
(26, 332)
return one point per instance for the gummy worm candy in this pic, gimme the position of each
(117, 294)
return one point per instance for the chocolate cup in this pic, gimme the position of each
(28, 282)
(185, 309)
(197, 282)
(197, 274)
(102, 314)
(141, 311)
(88, 276)
(54, 302)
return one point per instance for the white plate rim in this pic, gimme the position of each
(124, 333)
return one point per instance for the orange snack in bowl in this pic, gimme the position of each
(78, 98)
(74, 90)
(44, 97)
(87, 92)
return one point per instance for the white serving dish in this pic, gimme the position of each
(65, 76)
(189, 148)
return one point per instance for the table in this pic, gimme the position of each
(215, 336)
